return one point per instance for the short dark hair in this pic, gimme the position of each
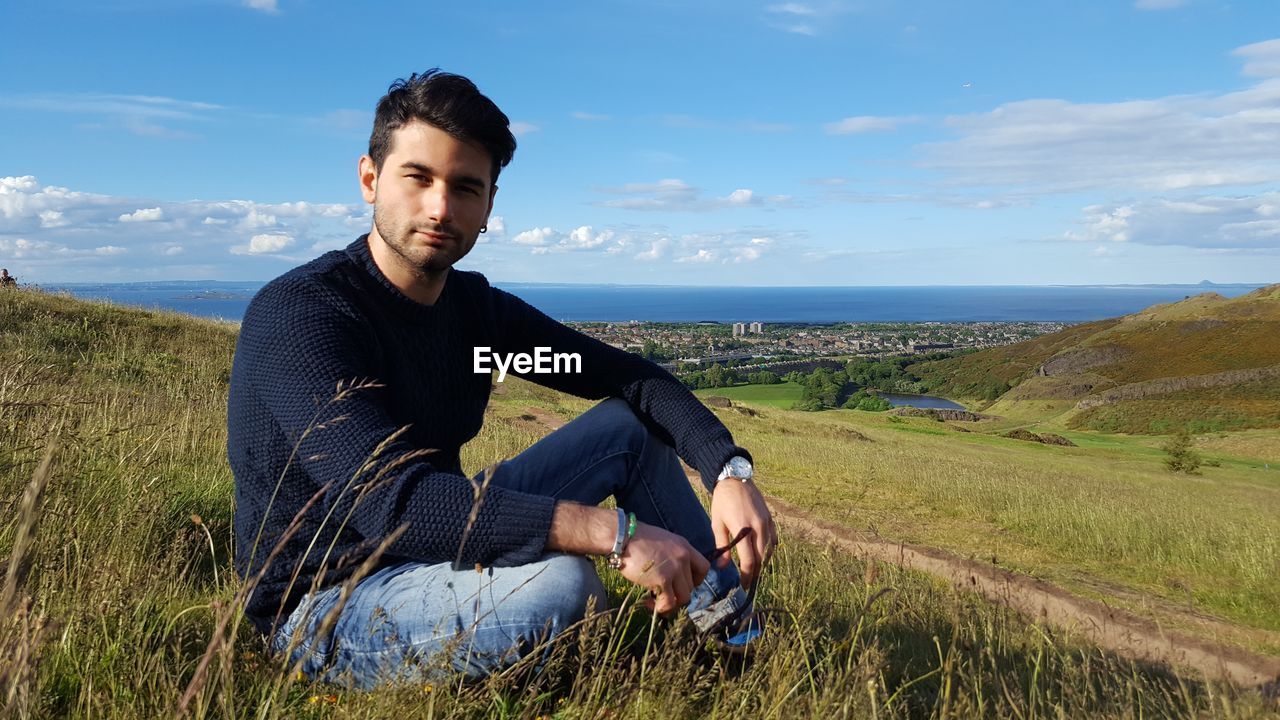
(449, 102)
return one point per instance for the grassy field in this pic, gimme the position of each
(119, 596)
(1105, 511)
(781, 396)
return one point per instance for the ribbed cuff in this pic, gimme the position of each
(512, 527)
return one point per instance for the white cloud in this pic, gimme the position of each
(268, 6)
(866, 124)
(676, 195)
(265, 244)
(540, 240)
(1156, 145)
(702, 256)
(14, 185)
(138, 114)
(497, 226)
(1103, 223)
(1216, 222)
(1158, 4)
(50, 224)
(536, 236)
(1262, 59)
(154, 214)
(38, 250)
(657, 249)
(583, 238)
(53, 219)
(520, 128)
(588, 117)
(256, 219)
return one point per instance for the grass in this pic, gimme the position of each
(1232, 407)
(1203, 335)
(1108, 510)
(112, 429)
(781, 395)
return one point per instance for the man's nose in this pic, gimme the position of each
(438, 203)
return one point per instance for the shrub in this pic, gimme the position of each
(1181, 458)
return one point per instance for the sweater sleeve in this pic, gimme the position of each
(314, 369)
(661, 401)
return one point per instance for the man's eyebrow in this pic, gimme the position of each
(426, 169)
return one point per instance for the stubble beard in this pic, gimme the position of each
(396, 235)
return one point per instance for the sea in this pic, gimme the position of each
(655, 303)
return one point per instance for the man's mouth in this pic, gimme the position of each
(435, 238)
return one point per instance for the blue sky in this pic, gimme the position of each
(850, 142)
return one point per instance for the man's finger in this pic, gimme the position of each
(683, 585)
(723, 538)
(750, 563)
(665, 601)
(764, 546)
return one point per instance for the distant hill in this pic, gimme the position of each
(1206, 362)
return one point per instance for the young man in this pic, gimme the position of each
(354, 385)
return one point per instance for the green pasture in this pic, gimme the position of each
(781, 396)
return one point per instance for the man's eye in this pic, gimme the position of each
(420, 177)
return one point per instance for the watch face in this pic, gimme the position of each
(740, 467)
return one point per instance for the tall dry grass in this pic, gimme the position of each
(121, 601)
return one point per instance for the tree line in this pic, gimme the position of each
(825, 387)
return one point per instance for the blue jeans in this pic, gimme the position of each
(415, 621)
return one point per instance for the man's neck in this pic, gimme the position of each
(417, 285)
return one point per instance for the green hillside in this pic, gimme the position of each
(121, 601)
(1208, 363)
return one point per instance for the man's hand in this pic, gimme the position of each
(654, 558)
(666, 564)
(735, 505)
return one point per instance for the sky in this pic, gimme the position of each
(726, 142)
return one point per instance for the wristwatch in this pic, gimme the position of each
(737, 467)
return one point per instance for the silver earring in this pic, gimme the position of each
(484, 229)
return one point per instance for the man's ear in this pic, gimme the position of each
(368, 172)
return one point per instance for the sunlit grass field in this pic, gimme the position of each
(1108, 509)
(117, 600)
(781, 396)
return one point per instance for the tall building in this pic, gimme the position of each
(739, 329)
(757, 327)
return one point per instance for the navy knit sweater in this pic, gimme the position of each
(339, 385)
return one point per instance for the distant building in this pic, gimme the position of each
(757, 327)
(739, 329)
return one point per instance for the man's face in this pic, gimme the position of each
(431, 197)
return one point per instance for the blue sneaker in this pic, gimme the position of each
(737, 638)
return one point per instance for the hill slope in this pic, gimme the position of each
(127, 580)
(1207, 362)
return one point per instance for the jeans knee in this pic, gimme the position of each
(572, 587)
(617, 415)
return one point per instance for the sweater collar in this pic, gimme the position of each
(359, 253)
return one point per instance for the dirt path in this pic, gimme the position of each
(1111, 628)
